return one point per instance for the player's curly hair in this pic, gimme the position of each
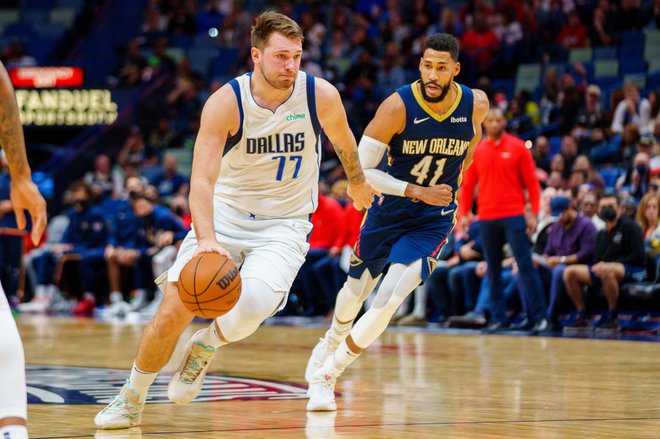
(443, 43)
(269, 22)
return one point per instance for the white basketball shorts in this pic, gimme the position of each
(269, 249)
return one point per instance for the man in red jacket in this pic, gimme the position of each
(504, 169)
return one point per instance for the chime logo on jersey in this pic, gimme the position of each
(83, 385)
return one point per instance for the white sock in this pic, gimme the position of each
(209, 337)
(338, 331)
(40, 291)
(140, 381)
(338, 361)
(13, 432)
(420, 302)
(116, 296)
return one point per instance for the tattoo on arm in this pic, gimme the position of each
(351, 162)
(11, 134)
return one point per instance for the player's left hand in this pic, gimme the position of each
(532, 222)
(24, 196)
(362, 194)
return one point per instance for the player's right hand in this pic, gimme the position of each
(25, 196)
(362, 194)
(438, 195)
(210, 246)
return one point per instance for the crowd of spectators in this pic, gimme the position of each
(368, 49)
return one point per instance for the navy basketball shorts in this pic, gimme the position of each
(386, 239)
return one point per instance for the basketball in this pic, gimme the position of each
(209, 285)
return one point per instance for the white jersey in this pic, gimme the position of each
(270, 167)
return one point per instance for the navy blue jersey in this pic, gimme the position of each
(431, 148)
(429, 151)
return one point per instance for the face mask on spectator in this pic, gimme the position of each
(608, 213)
(641, 169)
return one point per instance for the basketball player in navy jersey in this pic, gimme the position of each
(254, 185)
(24, 196)
(429, 129)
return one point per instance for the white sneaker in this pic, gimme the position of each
(36, 305)
(124, 411)
(323, 349)
(321, 392)
(117, 309)
(189, 377)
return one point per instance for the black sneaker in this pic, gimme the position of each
(580, 324)
(541, 325)
(524, 325)
(494, 327)
(608, 324)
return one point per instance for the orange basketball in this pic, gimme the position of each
(209, 285)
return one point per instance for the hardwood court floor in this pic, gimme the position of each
(409, 385)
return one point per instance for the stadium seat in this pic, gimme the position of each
(36, 16)
(63, 15)
(528, 77)
(610, 175)
(604, 53)
(580, 55)
(632, 65)
(635, 78)
(555, 145)
(606, 68)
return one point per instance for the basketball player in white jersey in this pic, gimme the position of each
(24, 196)
(253, 187)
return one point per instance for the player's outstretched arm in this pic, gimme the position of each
(332, 116)
(220, 119)
(24, 193)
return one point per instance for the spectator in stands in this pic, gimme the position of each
(16, 56)
(86, 232)
(588, 206)
(571, 240)
(209, 17)
(169, 181)
(390, 75)
(591, 120)
(574, 34)
(480, 46)
(134, 152)
(504, 169)
(558, 164)
(582, 163)
(182, 20)
(654, 14)
(105, 182)
(630, 16)
(448, 23)
(541, 153)
(569, 152)
(618, 257)
(632, 109)
(601, 30)
(637, 177)
(648, 220)
(152, 229)
(131, 67)
(161, 136)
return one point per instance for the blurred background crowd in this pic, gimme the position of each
(578, 78)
